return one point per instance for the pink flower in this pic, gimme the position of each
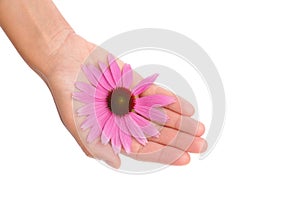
(113, 111)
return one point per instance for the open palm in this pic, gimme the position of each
(179, 136)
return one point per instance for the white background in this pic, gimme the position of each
(255, 46)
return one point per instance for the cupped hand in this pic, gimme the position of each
(180, 135)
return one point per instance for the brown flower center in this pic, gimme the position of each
(120, 101)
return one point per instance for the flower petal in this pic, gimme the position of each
(93, 134)
(124, 134)
(115, 140)
(135, 130)
(120, 122)
(101, 110)
(104, 84)
(87, 109)
(100, 106)
(101, 93)
(107, 130)
(86, 88)
(89, 75)
(144, 84)
(147, 127)
(102, 66)
(82, 97)
(102, 116)
(127, 76)
(156, 100)
(100, 77)
(88, 122)
(107, 75)
(126, 141)
(115, 69)
(154, 114)
(95, 71)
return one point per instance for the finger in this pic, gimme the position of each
(180, 140)
(181, 106)
(184, 123)
(155, 152)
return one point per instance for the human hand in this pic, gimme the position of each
(179, 136)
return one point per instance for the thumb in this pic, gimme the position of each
(105, 152)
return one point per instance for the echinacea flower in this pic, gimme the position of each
(114, 111)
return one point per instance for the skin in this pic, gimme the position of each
(55, 52)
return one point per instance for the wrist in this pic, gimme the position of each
(36, 28)
(67, 54)
(43, 62)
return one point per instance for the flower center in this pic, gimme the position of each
(120, 101)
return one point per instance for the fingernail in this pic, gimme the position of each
(187, 108)
(204, 146)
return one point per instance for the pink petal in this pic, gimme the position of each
(124, 134)
(102, 66)
(104, 84)
(88, 122)
(107, 75)
(100, 77)
(115, 141)
(101, 110)
(153, 114)
(115, 69)
(151, 131)
(120, 122)
(125, 140)
(104, 139)
(144, 84)
(142, 122)
(101, 93)
(86, 88)
(102, 116)
(107, 130)
(100, 105)
(93, 134)
(135, 130)
(89, 75)
(127, 76)
(156, 100)
(145, 125)
(82, 97)
(86, 110)
(95, 71)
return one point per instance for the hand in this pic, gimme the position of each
(179, 136)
